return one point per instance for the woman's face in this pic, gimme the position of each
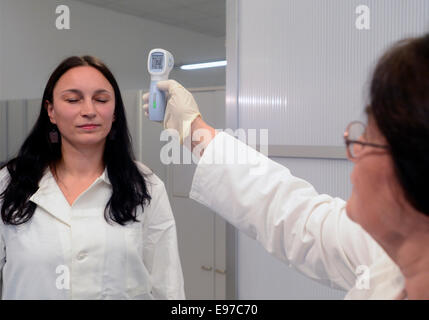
(377, 197)
(82, 96)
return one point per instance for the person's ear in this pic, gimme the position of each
(51, 112)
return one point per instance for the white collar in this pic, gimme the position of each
(50, 197)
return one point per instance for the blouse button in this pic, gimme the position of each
(81, 255)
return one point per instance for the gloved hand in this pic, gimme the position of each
(181, 108)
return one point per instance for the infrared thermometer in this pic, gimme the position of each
(159, 64)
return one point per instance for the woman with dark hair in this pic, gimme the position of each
(82, 219)
(375, 246)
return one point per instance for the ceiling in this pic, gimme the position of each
(203, 16)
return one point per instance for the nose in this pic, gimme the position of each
(87, 109)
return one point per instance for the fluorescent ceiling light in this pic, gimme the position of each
(204, 65)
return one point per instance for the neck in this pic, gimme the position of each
(410, 251)
(412, 258)
(81, 161)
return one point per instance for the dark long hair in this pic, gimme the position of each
(399, 103)
(37, 153)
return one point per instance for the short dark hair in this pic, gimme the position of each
(399, 104)
(38, 152)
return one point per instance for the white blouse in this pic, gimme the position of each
(71, 252)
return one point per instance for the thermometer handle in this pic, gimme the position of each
(156, 102)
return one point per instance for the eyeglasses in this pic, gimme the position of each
(354, 138)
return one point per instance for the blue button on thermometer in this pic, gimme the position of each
(159, 64)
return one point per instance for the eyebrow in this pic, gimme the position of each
(80, 92)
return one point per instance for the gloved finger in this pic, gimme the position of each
(145, 97)
(146, 110)
(168, 85)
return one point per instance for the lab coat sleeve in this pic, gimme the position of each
(310, 231)
(161, 252)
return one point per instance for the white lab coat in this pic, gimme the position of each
(307, 230)
(71, 252)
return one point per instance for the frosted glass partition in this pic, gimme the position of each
(303, 65)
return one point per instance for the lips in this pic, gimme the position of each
(89, 126)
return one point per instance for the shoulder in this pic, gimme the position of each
(159, 210)
(4, 178)
(143, 168)
(153, 181)
(4, 173)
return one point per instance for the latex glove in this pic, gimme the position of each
(181, 109)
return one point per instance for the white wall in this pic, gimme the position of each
(31, 46)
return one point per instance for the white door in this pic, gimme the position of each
(201, 234)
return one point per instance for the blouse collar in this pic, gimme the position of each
(50, 197)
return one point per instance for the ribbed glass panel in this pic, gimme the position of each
(304, 66)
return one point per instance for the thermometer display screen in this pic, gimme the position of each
(157, 61)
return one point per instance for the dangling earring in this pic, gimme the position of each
(53, 135)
